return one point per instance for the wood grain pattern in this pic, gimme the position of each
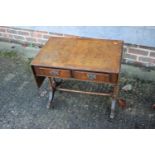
(98, 77)
(95, 60)
(85, 54)
(79, 75)
(52, 72)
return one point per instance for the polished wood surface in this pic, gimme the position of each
(88, 76)
(51, 72)
(84, 54)
(87, 59)
(79, 75)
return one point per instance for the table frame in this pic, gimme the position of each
(53, 86)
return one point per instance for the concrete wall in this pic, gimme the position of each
(142, 35)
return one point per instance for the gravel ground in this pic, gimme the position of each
(24, 106)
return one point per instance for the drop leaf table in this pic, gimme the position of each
(86, 59)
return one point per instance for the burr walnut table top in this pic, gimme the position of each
(87, 54)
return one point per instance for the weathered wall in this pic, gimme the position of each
(134, 54)
(141, 35)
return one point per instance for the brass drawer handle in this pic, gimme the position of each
(54, 72)
(91, 76)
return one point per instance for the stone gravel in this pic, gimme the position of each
(23, 106)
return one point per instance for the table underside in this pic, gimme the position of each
(40, 73)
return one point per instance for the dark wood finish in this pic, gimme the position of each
(96, 77)
(80, 75)
(52, 86)
(91, 76)
(39, 80)
(52, 72)
(96, 60)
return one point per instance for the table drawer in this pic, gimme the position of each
(98, 77)
(41, 71)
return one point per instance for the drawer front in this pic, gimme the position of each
(41, 71)
(90, 76)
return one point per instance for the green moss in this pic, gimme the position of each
(9, 54)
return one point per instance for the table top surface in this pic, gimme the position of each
(88, 54)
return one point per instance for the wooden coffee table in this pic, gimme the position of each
(87, 59)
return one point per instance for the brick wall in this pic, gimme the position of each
(139, 55)
(134, 54)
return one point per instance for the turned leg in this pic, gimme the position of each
(114, 100)
(52, 86)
